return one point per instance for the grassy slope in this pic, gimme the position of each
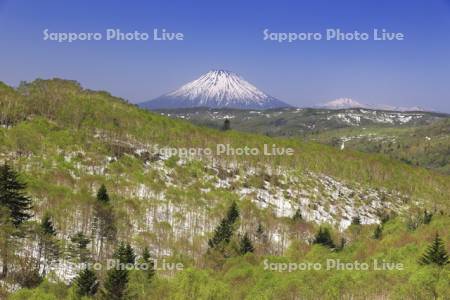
(72, 115)
(57, 115)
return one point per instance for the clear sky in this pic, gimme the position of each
(229, 35)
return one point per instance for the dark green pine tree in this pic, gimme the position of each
(427, 216)
(86, 283)
(297, 216)
(356, 220)
(102, 194)
(435, 254)
(323, 237)
(224, 232)
(115, 287)
(78, 247)
(378, 232)
(226, 125)
(146, 258)
(47, 226)
(12, 195)
(233, 213)
(48, 244)
(130, 256)
(245, 245)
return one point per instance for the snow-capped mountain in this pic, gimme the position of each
(217, 88)
(342, 103)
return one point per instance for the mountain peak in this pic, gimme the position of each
(217, 88)
(342, 103)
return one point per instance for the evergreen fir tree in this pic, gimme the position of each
(86, 283)
(48, 244)
(78, 247)
(102, 194)
(104, 226)
(233, 213)
(378, 232)
(226, 125)
(427, 216)
(435, 254)
(130, 256)
(356, 220)
(323, 237)
(297, 216)
(115, 287)
(246, 245)
(224, 232)
(146, 258)
(12, 195)
(47, 226)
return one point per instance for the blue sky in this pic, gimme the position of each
(228, 35)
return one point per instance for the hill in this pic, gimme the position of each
(418, 138)
(66, 141)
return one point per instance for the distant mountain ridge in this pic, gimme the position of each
(215, 89)
(345, 103)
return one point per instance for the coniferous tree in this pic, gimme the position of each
(356, 220)
(115, 287)
(323, 237)
(12, 195)
(246, 245)
(48, 244)
(297, 216)
(78, 247)
(15, 208)
(86, 283)
(224, 232)
(47, 226)
(102, 195)
(427, 216)
(104, 228)
(226, 125)
(378, 232)
(233, 213)
(435, 254)
(146, 258)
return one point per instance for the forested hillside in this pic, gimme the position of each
(85, 160)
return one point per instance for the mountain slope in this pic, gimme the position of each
(66, 141)
(413, 137)
(217, 88)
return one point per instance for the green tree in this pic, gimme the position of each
(15, 208)
(297, 216)
(378, 232)
(115, 287)
(86, 283)
(233, 213)
(103, 227)
(48, 243)
(146, 258)
(245, 245)
(427, 216)
(226, 125)
(102, 194)
(78, 247)
(12, 195)
(435, 254)
(224, 232)
(356, 220)
(323, 237)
